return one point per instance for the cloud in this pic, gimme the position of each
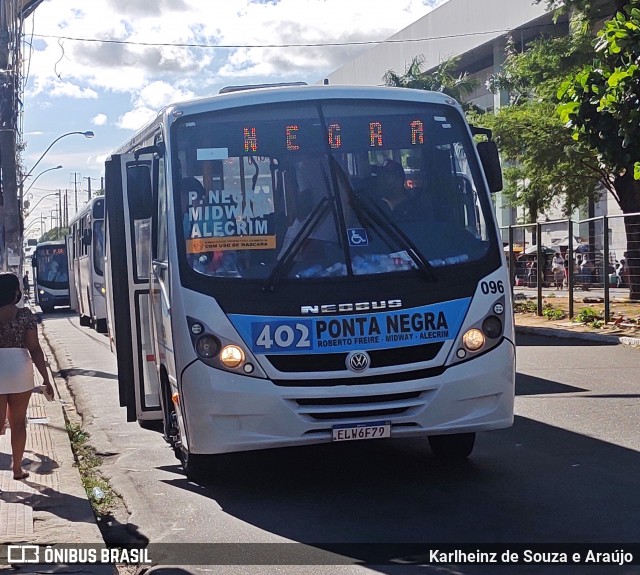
(159, 94)
(136, 118)
(69, 90)
(99, 120)
(222, 23)
(146, 9)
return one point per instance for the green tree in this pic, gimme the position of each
(444, 78)
(544, 163)
(600, 103)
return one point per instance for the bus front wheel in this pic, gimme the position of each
(454, 446)
(195, 467)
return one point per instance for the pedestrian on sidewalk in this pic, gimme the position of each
(25, 284)
(19, 351)
(557, 267)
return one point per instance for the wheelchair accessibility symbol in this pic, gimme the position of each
(357, 237)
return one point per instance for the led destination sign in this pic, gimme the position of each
(393, 328)
(264, 136)
(295, 135)
(52, 251)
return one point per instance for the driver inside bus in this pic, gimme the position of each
(435, 238)
(394, 198)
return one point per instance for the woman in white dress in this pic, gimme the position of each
(19, 351)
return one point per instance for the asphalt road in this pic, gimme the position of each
(567, 472)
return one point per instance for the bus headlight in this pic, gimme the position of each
(99, 288)
(220, 352)
(207, 346)
(473, 340)
(231, 356)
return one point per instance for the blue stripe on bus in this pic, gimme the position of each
(335, 333)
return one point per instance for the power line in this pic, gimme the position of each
(303, 45)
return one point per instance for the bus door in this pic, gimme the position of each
(128, 201)
(73, 287)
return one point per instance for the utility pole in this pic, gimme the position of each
(12, 15)
(10, 216)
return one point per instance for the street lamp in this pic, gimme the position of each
(87, 134)
(43, 172)
(31, 225)
(43, 197)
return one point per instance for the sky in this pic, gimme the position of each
(109, 65)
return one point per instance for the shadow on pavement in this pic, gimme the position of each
(533, 483)
(87, 373)
(525, 340)
(531, 385)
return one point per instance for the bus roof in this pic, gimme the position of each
(263, 95)
(87, 207)
(51, 243)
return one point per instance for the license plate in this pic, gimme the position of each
(348, 432)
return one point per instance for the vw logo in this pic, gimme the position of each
(358, 361)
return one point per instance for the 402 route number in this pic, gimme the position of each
(294, 335)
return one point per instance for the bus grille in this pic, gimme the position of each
(337, 361)
(353, 408)
(363, 380)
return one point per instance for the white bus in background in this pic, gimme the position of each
(86, 264)
(262, 294)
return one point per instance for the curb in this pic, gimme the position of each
(566, 334)
(630, 341)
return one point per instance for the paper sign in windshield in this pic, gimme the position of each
(221, 220)
(327, 334)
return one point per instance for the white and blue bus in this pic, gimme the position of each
(50, 275)
(265, 289)
(86, 263)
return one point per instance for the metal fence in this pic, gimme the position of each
(600, 255)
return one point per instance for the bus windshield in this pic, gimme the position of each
(52, 266)
(328, 189)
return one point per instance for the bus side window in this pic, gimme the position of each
(160, 216)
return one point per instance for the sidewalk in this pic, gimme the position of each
(51, 506)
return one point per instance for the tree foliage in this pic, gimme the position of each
(601, 104)
(444, 78)
(545, 166)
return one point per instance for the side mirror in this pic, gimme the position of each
(86, 238)
(488, 152)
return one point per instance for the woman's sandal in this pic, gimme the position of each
(23, 475)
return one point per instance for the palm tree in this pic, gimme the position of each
(442, 79)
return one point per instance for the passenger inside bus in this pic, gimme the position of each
(198, 223)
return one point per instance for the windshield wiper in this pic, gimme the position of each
(378, 219)
(284, 263)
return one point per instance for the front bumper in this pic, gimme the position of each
(225, 412)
